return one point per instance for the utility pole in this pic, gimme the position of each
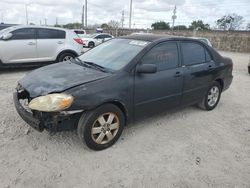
(83, 16)
(86, 7)
(130, 14)
(26, 10)
(122, 18)
(45, 21)
(56, 21)
(174, 17)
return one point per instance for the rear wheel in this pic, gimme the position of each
(91, 45)
(66, 57)
(212, 97)
(249, 69)
(101, 128)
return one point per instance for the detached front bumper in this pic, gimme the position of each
(52, 122)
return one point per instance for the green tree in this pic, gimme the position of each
(199, 25)
(180, 27)
(230, 22)
(161, 25)
(105, 26)
(73, 25)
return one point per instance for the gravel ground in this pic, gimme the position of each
(182, 148)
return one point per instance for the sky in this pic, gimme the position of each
(144, 12)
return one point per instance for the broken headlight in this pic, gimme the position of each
(52, 102)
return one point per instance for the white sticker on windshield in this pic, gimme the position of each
(138, 43)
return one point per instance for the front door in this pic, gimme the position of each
(161, 90)
(21, 47)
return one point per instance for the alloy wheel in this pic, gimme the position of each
(213, 96)
(105, 128)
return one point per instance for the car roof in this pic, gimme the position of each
(152, 37)
(37, 26)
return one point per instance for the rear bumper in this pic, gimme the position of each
(52, 122)
(227, 82)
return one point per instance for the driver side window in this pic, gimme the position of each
(163, 55)
(25, 33)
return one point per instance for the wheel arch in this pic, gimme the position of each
(221, 82)
(121, 106)
(66, 51)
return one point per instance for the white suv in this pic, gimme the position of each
(32, 44)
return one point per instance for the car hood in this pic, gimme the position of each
(59, 77)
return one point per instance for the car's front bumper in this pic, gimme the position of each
(52, 122)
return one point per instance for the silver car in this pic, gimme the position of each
(32, 44)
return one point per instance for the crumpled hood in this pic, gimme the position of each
(58, 77)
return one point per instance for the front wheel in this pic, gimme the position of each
(212, 97)
(101, 128)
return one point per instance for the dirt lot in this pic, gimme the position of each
(182, 148)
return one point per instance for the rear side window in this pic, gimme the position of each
(208, 56)
(99, 37)
(164, 55)
(25, 33)
(193, 53)
(107, 36)
(50, 34)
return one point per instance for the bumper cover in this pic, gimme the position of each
(27, 116)
(52, 122)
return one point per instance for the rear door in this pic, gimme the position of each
(198, 73)
(99, 39)
(161, 90)
(107, 37)
(21, 47)
(49, 43)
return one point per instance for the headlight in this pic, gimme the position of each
(51, 103)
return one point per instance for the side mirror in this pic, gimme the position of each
(146, 68)
(6, 36)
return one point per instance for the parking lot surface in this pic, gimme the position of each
(187, 147)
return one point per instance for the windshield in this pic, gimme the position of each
(114, 54)
(5, 30)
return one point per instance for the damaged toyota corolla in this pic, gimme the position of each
(122, 80)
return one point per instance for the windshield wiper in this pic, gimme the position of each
(91, 64)
(99, 67)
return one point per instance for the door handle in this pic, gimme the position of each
(59, 42)
(209, 67)
(177, 74)
(31, 43)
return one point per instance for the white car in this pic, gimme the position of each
(80, 32)
(33, 44)
(93, 40)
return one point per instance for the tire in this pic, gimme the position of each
(91, 45)
(66, 56)
(249, 69)
(106, 132)
(212, 97)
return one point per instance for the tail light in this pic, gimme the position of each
(78, 40)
